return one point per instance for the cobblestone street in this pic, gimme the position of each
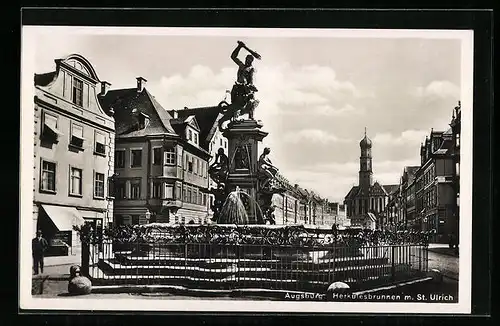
(445, 263)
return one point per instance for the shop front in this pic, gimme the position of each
(57, 225)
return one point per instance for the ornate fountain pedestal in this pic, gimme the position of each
(243, 140)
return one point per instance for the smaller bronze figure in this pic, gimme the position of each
(241, 158)
(219, 170)
(218, 201)
(269, 216)
(266, 169)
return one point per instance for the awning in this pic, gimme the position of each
(64, 218)
(53, 129)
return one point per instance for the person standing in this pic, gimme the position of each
(38, 246)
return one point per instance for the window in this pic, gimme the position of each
(50, 126)
(156, 190)
(189, 196)
(75, 187)
(169, 191)
(99, 185)
(76, 135)
(157, 156)
(120, 189)
(195, 165)
(194, 195)
(204, 200)
(100, 143)
(190, 165)
(200, 201)
(135, 189)
(120, 159)
(184, 193)
(178, 191)
(169, 156)
(186, 162)
(136, 158)
(48, 176)
(196, 138)
(190, 134)
(77, 92)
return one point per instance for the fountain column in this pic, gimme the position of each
(243, 140)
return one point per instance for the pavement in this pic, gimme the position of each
(443, 249)
(442, 258)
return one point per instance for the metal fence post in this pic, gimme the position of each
(393, 265)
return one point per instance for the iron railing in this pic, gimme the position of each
(241, 265)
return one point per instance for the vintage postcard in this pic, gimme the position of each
(249, 170)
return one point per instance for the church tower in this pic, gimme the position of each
(365, 163)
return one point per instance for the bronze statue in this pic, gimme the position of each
(219, 170)
(243, 92)
(218, 201)
(266, 169)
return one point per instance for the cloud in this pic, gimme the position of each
(325, 110)
(283, 89)
(313, 135)
(439, 89)
(405, 137)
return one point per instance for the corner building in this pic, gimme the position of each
(73, 157)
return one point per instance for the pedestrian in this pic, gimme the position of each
(38, 245)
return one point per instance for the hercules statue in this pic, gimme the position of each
(243, 91)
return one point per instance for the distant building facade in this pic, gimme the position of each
(73, 147)
(366, 203)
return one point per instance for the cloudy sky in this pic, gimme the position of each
(317, 94)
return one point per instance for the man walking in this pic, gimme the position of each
(38, 246)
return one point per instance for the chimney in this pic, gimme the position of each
(141, 84)
(175, 114)
(104, 88)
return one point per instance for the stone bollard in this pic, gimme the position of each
(336, 288)
(437, 276)
(78, 284)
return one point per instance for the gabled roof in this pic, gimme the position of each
(352, 193)
(377, 189)
(123, 101)
(389, 189)
(206, 117)
(411, 172)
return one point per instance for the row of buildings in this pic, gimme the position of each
(115, 157)
(427, 196)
